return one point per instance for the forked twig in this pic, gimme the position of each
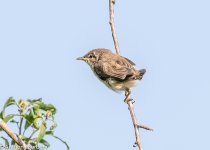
(134, 120)
(144, 127)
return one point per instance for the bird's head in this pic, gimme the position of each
(93, 56)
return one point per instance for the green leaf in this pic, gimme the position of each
(6, 142)
(31, 114)
(35, 102)
(49, 132)
(24, 138)
(27, 124)
(32, 143)
(9, 102)
(13, 142)
(45, 143)
(2, 114)
(54, 125)
(8, 117)
(36, 123)
(41, 134)
(37, 112)
(47, 107)
(29, 119)
(42, 105)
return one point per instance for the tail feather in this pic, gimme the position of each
(140, 74)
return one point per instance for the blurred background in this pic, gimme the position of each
(40, 41)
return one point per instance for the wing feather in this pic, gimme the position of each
(114, 69)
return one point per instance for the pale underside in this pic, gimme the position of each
(120, 86)
(117, 86)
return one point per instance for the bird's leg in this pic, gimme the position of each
(127, 96)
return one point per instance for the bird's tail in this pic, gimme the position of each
(140, 74)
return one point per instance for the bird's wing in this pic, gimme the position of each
(114, 69)
(131, 62)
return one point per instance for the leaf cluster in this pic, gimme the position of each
(34, 121)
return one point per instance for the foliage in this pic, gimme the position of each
(34, 121)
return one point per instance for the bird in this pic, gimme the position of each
(117, 72)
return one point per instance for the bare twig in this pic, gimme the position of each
(11, 134)
(128, 99)
(144, 127)
(112, 24)
(134, 120)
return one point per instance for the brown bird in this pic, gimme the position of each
(116, 72)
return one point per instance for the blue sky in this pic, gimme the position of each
(40, 40)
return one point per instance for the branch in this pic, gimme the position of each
(11, 134)
(134, 120)
(128, 99)
(112, 24)
(144, 127)
(20, 127)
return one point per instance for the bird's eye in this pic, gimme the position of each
(90, 56)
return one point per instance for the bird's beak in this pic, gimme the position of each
(82, 58)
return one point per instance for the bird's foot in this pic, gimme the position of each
(127, 97)
(128, 100)
(135, 144)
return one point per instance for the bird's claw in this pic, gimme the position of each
(126, 100)
(135, 144)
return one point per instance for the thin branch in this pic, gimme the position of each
(144, 127)
(20, 127)
(11, 134)
(134, 120)
(128, 98)
(112, 24)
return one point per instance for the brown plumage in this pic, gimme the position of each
(117, 72)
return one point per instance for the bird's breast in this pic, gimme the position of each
(120, 85)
